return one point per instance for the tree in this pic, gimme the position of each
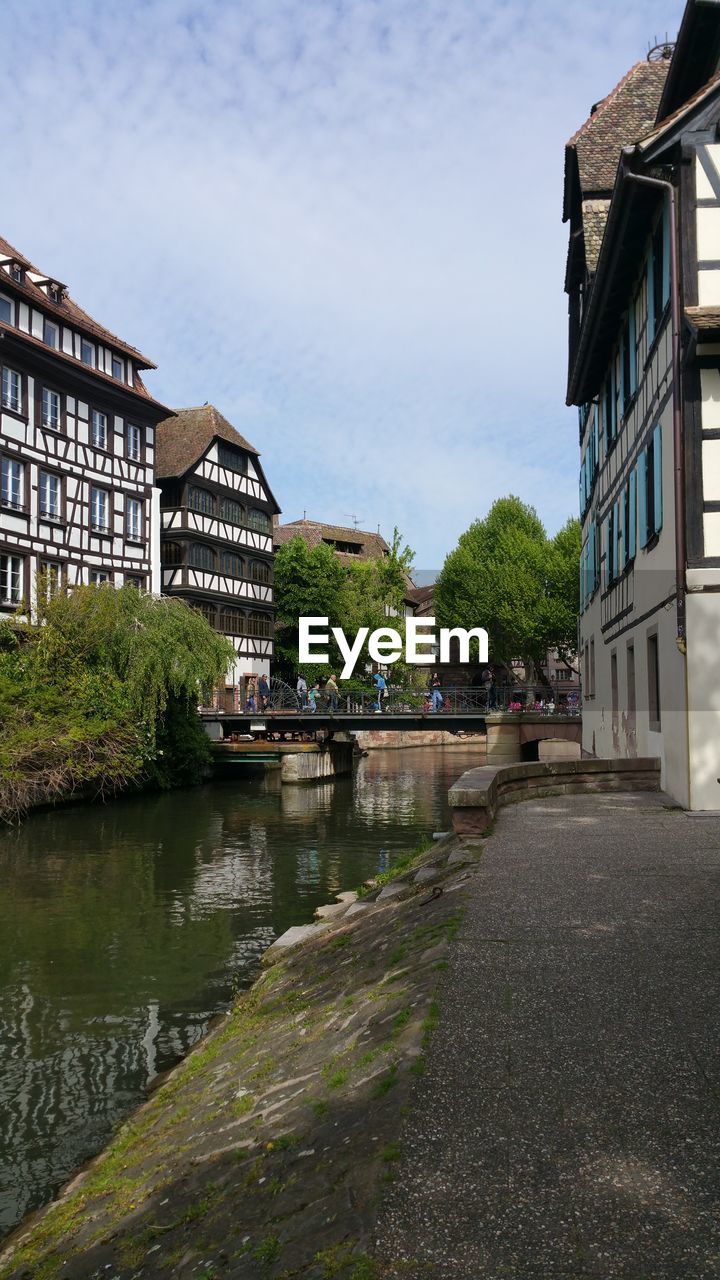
(507, 576)
(309, 583)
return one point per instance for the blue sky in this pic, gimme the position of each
(339, 222)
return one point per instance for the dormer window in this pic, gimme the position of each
(118, 370)
(54, 292)
(17, 272)
(87, 353)
(232, 459)
(51, 334)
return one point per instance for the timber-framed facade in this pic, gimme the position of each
(642, 197)
(216, 544)
(77, 445)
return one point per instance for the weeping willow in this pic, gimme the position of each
(99, 695)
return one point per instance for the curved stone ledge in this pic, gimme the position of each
(476, 796)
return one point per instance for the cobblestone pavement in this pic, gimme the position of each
(567, 1121)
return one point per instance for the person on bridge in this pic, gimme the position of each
(302, 690)
(380, 689)
(488, 683)
(264, 692)
(436, 699)
(250, 695)
(332, 691)
(313, 695)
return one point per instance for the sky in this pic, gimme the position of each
(337, 220)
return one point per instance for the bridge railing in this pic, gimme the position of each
(455, 701)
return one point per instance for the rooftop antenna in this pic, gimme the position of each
(355, 519)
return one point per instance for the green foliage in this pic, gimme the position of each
(507, 576)
(314, 582)
(99, 695)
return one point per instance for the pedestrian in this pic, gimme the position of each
(436, 699)
(332, 691)
(313, 696)
(250, 693)
(264, 692)
(302, 690)
(488, 683)
(380, 690)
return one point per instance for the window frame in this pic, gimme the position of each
(138, 537)
(119, 377)
(5, 297)
(9, 602)
(93, 443)
(197, 564)
(44, 473)
(47, 426)
(9, 372)
(195, 488)
(85, 343)
(652, 651)
(51, 324)
(104, 531)
(139, 457)
(7, 503)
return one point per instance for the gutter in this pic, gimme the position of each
(659, 184)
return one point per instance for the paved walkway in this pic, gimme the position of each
(567, 1122)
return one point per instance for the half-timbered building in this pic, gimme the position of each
(216, 543)
(642, 197)
(77, 444)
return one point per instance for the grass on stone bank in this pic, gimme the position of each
(404, 863)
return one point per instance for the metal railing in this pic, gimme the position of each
(461, 701)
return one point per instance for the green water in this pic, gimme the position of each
(126, 928)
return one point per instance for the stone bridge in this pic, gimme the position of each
(513, 737)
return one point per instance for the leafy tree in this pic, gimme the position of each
(100, 695)
(507, 576)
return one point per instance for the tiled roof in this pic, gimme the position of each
(624, 116)
(707, 89)
(373, 545)
(66, 310)
(138, 387)
(182, 440)
(703, 317)
(594, 216)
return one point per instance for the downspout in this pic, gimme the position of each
(659, 184)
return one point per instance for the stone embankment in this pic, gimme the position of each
(267, 1152)
(383, 739)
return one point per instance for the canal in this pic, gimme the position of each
(126, 928)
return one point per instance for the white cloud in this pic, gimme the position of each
(338, 221)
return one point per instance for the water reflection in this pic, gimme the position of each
(126, 928)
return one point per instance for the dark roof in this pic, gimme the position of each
(703, 318)
(313, 532)
(182, 440)
(66, 310)
(696, 56)
(666, 126)
(625, 115)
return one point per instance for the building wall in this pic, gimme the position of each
(640, 602)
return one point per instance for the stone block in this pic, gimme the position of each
(331, 911)
(427, 875)
(394, 890)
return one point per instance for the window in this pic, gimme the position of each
(259, 572)
(11, 578)
(50, 578)
(201, 500)
(134, 520)
(11, 390)
(208, 611)
(202, 557)
(17, 273)
(134, 580)
(631, 697)
(232, 564)
(50, 409)
(6, 310)
(11, 484)
(118, 368)
(629, 518)
(171, 553)
(232, 511)
(98, 577)
(231, 459)
(51, 334)
(259, 521)
(653, 683)
(232, 621)
(259, 625)
(99, 510)
(87, 352)
(614, 690)
(591, 688)
(649, 489)
(99, 429)
(49, 495)
(134, 443)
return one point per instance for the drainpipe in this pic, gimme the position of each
(660, 184)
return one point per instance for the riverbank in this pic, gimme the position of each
(267, 1152)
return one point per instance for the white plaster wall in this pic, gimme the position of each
(703, 669)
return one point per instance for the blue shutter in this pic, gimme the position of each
(593, 555)
(621, 369)
(657, 477)
(666, 251)
(632, 515)
(618, 537)
(596, 442)
(642, 499)
(631, 338)
(650, 298)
